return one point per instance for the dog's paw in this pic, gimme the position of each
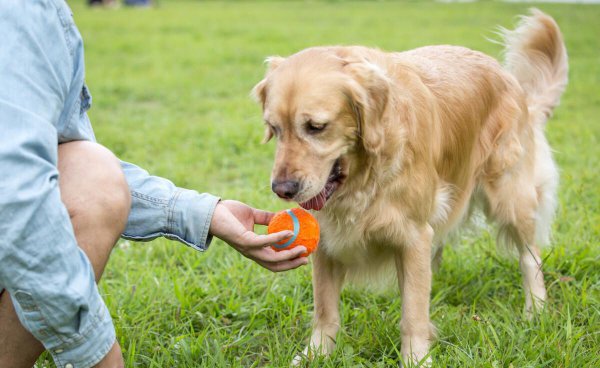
(533, 308)
(414, 361)
(305, 356)
(534, 304)
(320, 345)
(298, 359)
(415, 353)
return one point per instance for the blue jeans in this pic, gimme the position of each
(44, 102)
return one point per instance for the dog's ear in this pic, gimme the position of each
(259, 92)
(268, 134)
(368, 92)
(273, 62)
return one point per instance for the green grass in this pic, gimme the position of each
(171, 93)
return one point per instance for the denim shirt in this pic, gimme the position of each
(44, 102)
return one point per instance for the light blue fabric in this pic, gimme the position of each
(159, 208)
(43, 102)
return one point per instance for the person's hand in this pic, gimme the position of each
(233, 222)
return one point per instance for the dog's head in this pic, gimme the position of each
(322, 105)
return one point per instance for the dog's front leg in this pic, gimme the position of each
(328, 278)
(413, 264)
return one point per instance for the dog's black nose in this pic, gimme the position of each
(285, 189)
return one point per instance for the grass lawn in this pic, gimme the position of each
(171, 94)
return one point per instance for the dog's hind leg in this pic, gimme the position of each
(514, 203)
(438, 255)
(328, 279)
(530, 264)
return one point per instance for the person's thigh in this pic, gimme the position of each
(95, 192)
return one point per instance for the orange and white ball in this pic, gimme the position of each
(302, 223)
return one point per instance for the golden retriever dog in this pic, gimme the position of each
(393, 149)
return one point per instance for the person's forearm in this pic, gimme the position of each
(159, 208)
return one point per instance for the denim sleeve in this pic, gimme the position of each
(159, 208)
(49, 278)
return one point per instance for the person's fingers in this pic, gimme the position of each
(262, 217)
(285, 265)
(290, 265)
(270, 255)
(253, 240)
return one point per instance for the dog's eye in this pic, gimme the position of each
(314, 128)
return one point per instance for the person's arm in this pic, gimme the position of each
(49, 278)
(159, 208)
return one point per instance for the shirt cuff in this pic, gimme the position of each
(188, 215)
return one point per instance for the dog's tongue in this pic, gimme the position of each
(315, 203)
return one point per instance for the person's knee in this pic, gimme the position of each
(93, 186)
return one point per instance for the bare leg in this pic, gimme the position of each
(97, 197)
(18, 347)
(413, 264)
(328, 279)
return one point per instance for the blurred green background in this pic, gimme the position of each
(170, 88)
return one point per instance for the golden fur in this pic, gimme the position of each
(419, 136)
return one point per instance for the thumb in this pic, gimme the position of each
(262, 217)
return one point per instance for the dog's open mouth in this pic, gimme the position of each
(335, 179)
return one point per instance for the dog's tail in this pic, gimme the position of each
(536, 55)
